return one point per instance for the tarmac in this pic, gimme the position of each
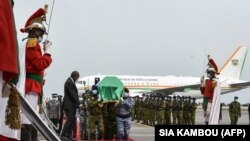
(141, 132)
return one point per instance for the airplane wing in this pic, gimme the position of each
(169, 91)
(239, 85)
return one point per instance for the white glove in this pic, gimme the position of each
(47, 47)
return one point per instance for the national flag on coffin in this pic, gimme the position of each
(110, 88)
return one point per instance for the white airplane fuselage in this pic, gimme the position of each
(229, 79)
(143, 84)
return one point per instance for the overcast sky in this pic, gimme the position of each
(140, 37)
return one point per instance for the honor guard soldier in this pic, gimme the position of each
(234, 111)
(207, 88)
(36, 63)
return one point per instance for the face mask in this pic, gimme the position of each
(40, 39)
(125, 95)
(208, 75)
(94, 91)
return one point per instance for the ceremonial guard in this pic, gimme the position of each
(36, 63)
(8, 70)
(207, 89)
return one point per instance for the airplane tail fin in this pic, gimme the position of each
(232, 68)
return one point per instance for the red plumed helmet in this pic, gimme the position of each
(35, 21)
(212, 64)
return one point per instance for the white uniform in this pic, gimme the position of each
(5, 130)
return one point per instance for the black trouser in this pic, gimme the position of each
(55, 122)
(60, 122)
(69, 124)
(28, 133)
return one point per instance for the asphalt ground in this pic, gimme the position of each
(141, 132)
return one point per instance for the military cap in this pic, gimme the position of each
(54, 95)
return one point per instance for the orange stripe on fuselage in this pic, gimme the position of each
(150, 86)
(224, 65)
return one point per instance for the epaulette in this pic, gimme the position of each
(214, 83)
(31, 42)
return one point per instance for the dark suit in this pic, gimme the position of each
(70, 104)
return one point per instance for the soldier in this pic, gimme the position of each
(136, 107)
(168, 111)
(192, 112)
(60, 114)
(146, 110)
(207, 90)
(10, 67)
(249, 112)
(185, 111)
(234, 111)
(84, 116)
(161, 107)
(152, 111)
(95, 109)
(53, 109)
(179, 110)
(36, 63)
(174, 110)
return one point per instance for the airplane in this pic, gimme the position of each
(229, 78)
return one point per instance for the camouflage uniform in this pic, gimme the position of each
(83, 118)
(234, 112)
(146, 110)
(185, 111)
(174, 110)
(152, 111)
(95, 118)
(180, 111)
(192, 112)
(168, 111)
(161, 106)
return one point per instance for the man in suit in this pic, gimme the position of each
(70, 104)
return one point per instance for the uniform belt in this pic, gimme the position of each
(36, 77)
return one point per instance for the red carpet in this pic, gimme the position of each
(78, 138)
